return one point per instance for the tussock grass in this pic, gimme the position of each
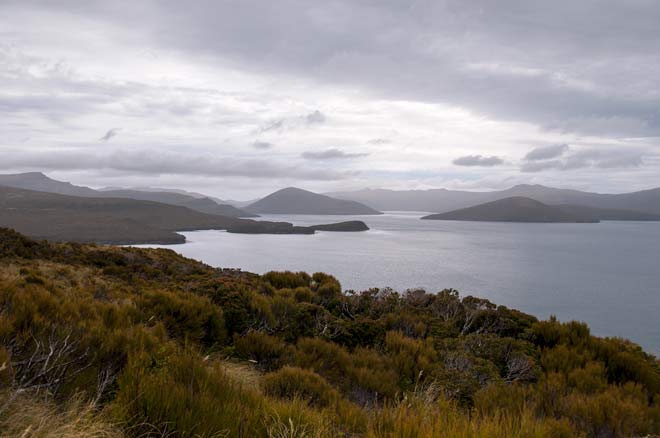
(32, 417)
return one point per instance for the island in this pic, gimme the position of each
(293, 200)
(514, 209)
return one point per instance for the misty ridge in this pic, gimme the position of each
(46, 208)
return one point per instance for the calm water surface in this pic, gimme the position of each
(606, 274)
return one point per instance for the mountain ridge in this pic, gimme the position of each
(513, 209)
(38, 181)
(292, 200)
(444, 200)
(58, 217)
(522, 209)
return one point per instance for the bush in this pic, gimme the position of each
(287, 279)
(269, 352)
(185, 316)
(180, 394)
(293, 382)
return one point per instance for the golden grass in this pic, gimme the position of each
(243, 373)
(30, 417)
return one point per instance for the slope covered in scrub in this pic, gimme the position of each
(136, 342)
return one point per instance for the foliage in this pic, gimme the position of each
(131, 341)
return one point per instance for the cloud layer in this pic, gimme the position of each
(331, 154)
(478, 161)
(435, 93)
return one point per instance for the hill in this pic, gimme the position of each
(116, 220)
(39, 182)
(128, 342)
(297, 201)
(204, 204)
(442, 200)
(609, 214)
(515, 209)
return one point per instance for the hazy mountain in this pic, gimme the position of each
(204, 205)
(609, 214)
(115, 220)
(514, 209)
(442, 200)
(297, 201)
(40, 182)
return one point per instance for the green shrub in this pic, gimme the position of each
(287, 279)
(293, 382)
(268, 352)
(185, 316)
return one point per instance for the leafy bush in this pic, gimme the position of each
(293, 382)
(268, 352)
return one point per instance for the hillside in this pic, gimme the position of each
(127, 342)
(204, 205)
(609, 214)
(116, 220)
(442, 200)
(515, 209)
(39, 182)
(297, 201)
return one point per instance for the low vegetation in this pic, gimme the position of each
(110, 342)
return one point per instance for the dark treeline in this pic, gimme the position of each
(109, 341)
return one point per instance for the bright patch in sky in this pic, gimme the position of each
(237, 99)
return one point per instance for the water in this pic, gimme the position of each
(606, 274)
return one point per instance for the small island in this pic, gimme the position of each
(292, 200)
(514, 209)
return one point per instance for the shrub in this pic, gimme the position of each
(287, 279)
(182, 395)
(269, 352)
(413, 359)
(185, 316)
(293, 382)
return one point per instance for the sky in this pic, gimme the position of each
(238, 98)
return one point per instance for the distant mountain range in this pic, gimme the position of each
(442, 200)
(297, 201)
(57, 217)
(40, 182)
(521, 209)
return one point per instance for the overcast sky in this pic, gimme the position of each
(237, 98)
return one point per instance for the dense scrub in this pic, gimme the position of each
(132, 342)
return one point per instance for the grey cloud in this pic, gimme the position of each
(315, 117)
(590, 158)
(151, 162)
(330, 154)
(273, 126)
(546, 152)
(478, 161)
(108, 135)
(570, 72)
(539, 166)
(262, 145)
